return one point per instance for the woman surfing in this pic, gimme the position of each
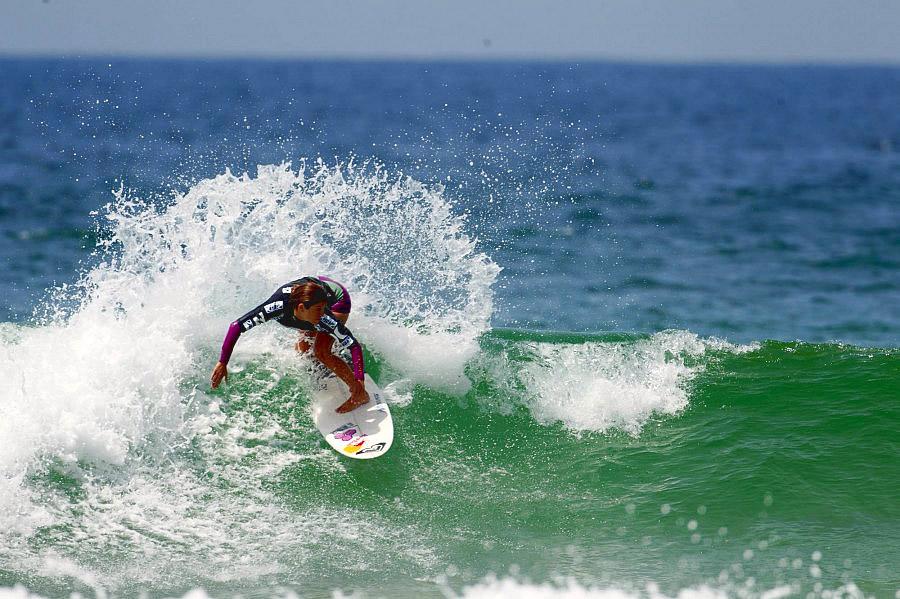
(319, 307)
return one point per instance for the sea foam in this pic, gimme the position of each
(602, 385)
(108, 392)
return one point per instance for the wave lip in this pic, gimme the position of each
(602, 385)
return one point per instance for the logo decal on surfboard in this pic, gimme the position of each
(372, 448)
(355, 446)
(365, 432)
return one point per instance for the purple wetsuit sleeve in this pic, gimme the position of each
(231, 337)
(343, 305)
(273, 307)
(330, 325)
(359, 369)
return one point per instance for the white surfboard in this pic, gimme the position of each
(364, 433)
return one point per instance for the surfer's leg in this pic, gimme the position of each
(323, 345)
(358, 395)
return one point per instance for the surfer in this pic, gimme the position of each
(319, 307)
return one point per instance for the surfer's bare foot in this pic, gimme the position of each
(356, 400)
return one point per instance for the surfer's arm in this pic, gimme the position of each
(359, 366)
(221, 369)
(231, 337)
(339, 331)
(244, 323)
(271, 308)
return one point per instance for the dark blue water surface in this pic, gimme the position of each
(746, 202)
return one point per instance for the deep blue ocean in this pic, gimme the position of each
(638, 324)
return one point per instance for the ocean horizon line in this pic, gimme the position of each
(611, 60)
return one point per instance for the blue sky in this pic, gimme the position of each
(645, 30)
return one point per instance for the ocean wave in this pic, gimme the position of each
(596, 385)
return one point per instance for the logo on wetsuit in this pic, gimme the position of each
(330, 325)
(258, 319)
(274, 306)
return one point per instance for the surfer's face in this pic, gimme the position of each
(312, 314)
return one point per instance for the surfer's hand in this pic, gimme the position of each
(219, 372)
(358, 397)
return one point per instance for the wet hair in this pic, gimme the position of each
(309, 294)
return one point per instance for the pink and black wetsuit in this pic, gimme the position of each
(337, 299)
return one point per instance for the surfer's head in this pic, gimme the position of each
(308, 301)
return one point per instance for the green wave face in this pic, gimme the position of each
(745, 468)
(781, 468)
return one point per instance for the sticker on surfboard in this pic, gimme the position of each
(364, 433)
